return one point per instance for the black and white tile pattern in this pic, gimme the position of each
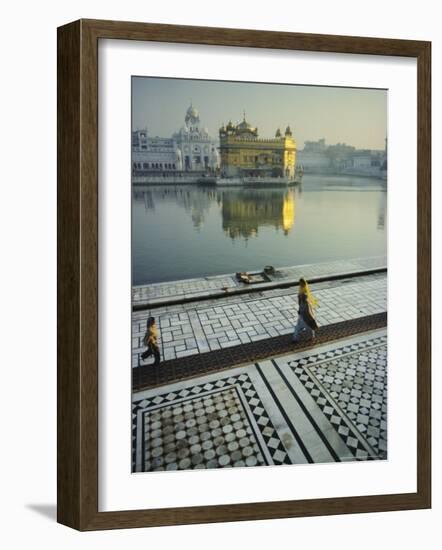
(201, 327)
(349, 384)
(322, 405)
(212, 425)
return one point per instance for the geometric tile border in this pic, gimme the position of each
(349, 385)
(226, 425)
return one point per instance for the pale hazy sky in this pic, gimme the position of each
(347, 115)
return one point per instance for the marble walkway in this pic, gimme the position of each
(204, 326)
(327, 404)
(204, 287)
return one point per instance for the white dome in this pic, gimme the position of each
(192, 115)
(191, 111)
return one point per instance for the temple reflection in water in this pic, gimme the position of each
(185, 231)
(195, 201)
(243, 211)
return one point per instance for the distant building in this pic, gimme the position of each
(139, 140)
(313, 158)
(154, 155)
(315, 146)
(319, 158)
(189, 150)
(198, 150)
(243, 153)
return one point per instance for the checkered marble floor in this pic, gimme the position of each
(351, 382)
(325, 405)
(200, 327)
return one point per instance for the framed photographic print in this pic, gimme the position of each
(238, 210)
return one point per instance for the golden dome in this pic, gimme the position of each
(245, 128)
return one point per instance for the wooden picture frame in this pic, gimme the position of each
(78, 274)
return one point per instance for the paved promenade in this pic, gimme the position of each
(327, 404)
(320, 402)
(205, 287)
(204, 326)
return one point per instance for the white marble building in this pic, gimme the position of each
(199, 151)
(154, 155)
(191, 149)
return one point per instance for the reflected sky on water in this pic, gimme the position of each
(179, 232)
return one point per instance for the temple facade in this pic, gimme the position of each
(198, 150)
(154, 155)
(243, 153)
(190, 150)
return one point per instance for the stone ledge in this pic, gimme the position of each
(248, 289)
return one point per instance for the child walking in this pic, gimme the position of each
(151, 341)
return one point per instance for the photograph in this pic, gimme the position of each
(259, 274)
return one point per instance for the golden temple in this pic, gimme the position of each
(245, 154)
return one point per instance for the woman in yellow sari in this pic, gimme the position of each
(306, 320)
